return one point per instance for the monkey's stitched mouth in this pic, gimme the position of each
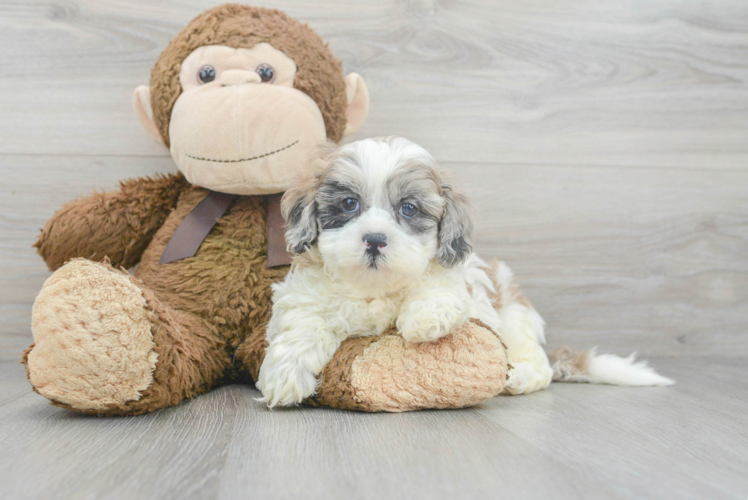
(244, 159)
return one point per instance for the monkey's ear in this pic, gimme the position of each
(299, 209)
(454, 229)
(141, 103)
(358, 103)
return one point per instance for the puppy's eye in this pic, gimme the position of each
(350, 204)
(206, 74)
(408, 210)
(266, 73)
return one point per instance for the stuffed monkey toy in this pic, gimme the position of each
(241, 97)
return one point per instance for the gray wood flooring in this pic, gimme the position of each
(605, 146)
(571, 441)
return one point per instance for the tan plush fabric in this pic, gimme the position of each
(200, 309)
(319, 74)
(207, 314)
(239, 138)
(335, 388)
(459, 370)
(92, 335)
(280, 128)
(108, 343)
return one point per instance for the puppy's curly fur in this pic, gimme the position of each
(382, 240)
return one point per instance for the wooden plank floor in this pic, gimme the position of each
(571, 441)
(605, 146)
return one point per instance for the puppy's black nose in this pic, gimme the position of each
(374, 241)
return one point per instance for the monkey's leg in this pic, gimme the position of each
(105, 345)
(387, 373)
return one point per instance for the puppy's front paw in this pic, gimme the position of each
(285, 384)
(427, 320)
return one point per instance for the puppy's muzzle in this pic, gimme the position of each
(374, 243)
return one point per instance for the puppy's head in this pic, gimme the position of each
(378, 206)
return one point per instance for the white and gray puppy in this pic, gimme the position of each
(382, 240)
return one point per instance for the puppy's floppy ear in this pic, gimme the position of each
(455, 229)
(299, 208)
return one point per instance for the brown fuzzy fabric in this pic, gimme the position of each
(191, 358)
(208, 312)
(251, 353)
(456, 371)
(335, 389)
(319, 74)
(202, 308)
(118, 224)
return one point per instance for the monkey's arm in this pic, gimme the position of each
(117, 224)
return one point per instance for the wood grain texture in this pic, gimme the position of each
(524, 82)
(647, 259)
(571, 441)
(605, 146)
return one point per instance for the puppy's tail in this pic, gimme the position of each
(589, 366)
(495, 292)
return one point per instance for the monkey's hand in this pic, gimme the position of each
(431, 316)
(118, 224)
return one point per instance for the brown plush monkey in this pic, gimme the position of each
(241, 96)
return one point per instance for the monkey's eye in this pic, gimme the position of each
(206, 74)
(408, 210)
(351, 205)
(266, 73)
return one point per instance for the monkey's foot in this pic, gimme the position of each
(93, 345)
(387, 373)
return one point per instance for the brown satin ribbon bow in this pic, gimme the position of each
(192, 231)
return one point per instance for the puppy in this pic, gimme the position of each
(382, 239)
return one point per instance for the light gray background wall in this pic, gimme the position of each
(605, 144)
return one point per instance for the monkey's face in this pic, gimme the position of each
(239, 125)
(243, 96)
